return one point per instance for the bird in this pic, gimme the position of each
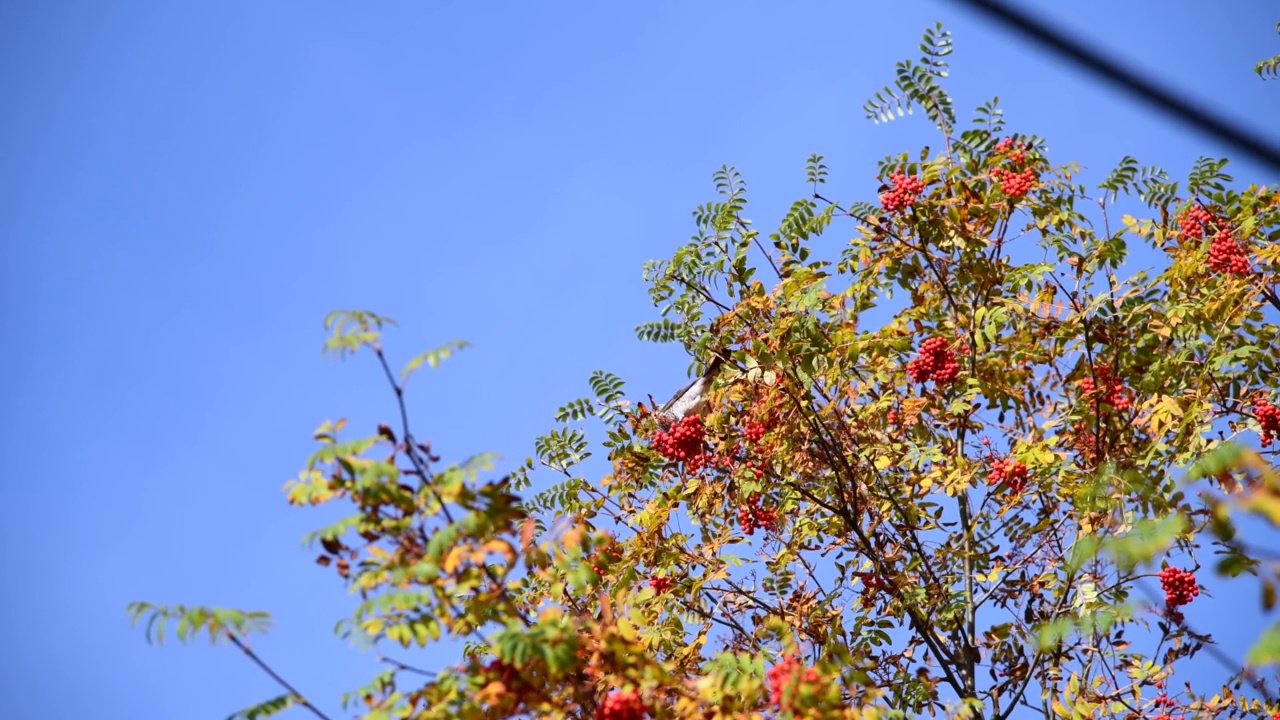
(692, 398)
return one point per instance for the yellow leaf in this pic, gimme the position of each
(454, 559)
(501, 547)
(627, 630)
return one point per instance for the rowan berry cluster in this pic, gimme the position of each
(1011, 472)
(752, 516)
(753, 431)
(935, 362)
(622, 705)
(1179, 587)
(1015, 151)
(518, 689)
(1269, 418)
(1015, 184)
(872, 584)
(1192, 221)
(904, 193)
(607, 555)
(1226, 256)
(726, 462)
(1110, 388)
(786, 680)
(684, 442)
(660, 584)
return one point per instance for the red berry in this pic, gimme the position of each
(1179, 587)
(1112, 390)
(1015, 151)
(1015, 184)
(684, 442)
(785, 681)
(1226, 256)
(935, 362)
(1011, 472)
(752, 516)
(622, 705)
(1269, 418)
(660, 584)
(1191, 221)
(906, 189)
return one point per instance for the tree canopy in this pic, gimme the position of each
(968, 448)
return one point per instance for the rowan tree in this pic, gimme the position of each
(958, 457)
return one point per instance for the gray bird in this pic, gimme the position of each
(692, 399)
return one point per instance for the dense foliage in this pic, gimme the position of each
(960, 458)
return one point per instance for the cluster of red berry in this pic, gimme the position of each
(1191, 222)
(622, 705)
(1269, 418)
(1011, 472)
(1015, 151)
(1113, 392)
(906, 189)
(517, 688)
(725, 462)
(605, 556)
(1163, 702)
(660, 584)
(754, 467)
(684, 442)
(1015, 184)
(785, 680)
(892, 416)
(1226, 256)
(872, 584)
(935, 361)
(1180, 588)
(753, 431)
(752, 516)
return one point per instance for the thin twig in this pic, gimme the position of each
(275, 676)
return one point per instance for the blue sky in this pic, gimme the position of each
(188, 188)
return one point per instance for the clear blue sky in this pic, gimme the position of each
(188, 188)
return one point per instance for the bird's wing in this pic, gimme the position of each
(688, 398)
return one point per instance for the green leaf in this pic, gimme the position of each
(433, 358)
(1267, 650)
(352, 329)
(267, 709)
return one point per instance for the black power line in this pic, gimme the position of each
(1258, 148)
